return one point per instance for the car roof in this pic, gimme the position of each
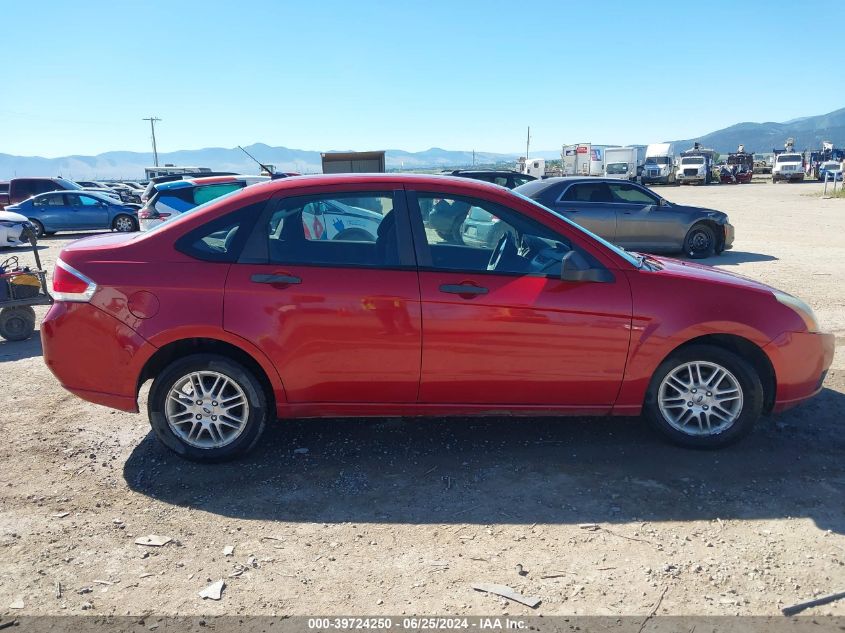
(87, 192)
(205, 180)
(296, 182)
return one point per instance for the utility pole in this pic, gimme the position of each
(473, 158)
(152, 121)
(527, 144)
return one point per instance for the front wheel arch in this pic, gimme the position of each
(741, 346)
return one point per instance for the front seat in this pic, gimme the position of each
(387, 243)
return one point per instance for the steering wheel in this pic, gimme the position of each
(505, 248)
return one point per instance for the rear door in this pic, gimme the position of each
(589, 204)
(337, 312)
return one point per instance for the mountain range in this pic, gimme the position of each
(808, 132)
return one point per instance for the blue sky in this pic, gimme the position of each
(460, 74)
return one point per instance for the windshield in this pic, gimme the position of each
(657, 160)
(619, 251)
(789, 158)
(617, 168)
(830, 166)
(176, 216)
(67, 184)
(695, 160)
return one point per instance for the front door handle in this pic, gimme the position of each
(463, 289)
(276, 279)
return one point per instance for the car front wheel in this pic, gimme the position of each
(700, 242)
(207, 408)
(704, 397)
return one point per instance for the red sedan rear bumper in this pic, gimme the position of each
(96, 357)
(801, 361)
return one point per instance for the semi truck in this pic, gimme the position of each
(531, 166)
(582, 159)
(789, 164)
(659, 167)
(624, 162)
(696, 165)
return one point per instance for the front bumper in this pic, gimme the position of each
(729, 235)
(801, 361)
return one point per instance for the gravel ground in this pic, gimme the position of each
(402, 516)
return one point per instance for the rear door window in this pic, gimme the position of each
(207, 193)
(340, 229)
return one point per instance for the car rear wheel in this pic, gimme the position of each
(700, 242)
(17, 324)
(207, 408)
(125, 224)
(704, 397)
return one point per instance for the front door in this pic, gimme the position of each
(327, 292)
(641, 222)
(87, 212)
(589, 204)
(501, 327)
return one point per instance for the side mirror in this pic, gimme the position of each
(569, 272)
(662, 203)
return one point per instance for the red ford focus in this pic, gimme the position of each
(332, 296)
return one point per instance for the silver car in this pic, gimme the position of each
(633, 216)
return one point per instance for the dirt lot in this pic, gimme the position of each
(401, 516)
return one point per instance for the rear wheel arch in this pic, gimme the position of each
(745, 348)
(175, 350)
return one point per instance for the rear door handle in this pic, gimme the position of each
(276, 279)
(463, 289)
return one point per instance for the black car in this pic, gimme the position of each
(503, 177)
(633, 216)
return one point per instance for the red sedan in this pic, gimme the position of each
(282, 300)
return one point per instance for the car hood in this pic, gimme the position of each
(11, 216)
(718, 216)
(704, 273)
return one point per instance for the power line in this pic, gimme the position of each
(153, 121)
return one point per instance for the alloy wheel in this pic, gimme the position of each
(207, 409)
(700, 398)
(124, 224)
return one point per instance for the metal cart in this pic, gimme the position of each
(20, 289)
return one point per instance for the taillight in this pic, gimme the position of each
(151, 214)
(71, 285)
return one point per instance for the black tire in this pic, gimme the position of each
(700, 242)
(256, 399)
(17, 323)
(39, 228)
(750, 385)
(124, 223)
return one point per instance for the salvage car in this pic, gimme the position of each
(76, 210)
(13, 229)
(238, 317)
(633, 216)
(171, 198)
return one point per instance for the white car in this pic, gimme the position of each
(12, 227)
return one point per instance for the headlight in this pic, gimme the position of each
(800, 308)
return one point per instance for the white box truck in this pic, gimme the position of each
(582, 160)
(659, 164)
(624, 162)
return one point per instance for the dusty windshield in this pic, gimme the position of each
(789, 158)
(695, 160)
